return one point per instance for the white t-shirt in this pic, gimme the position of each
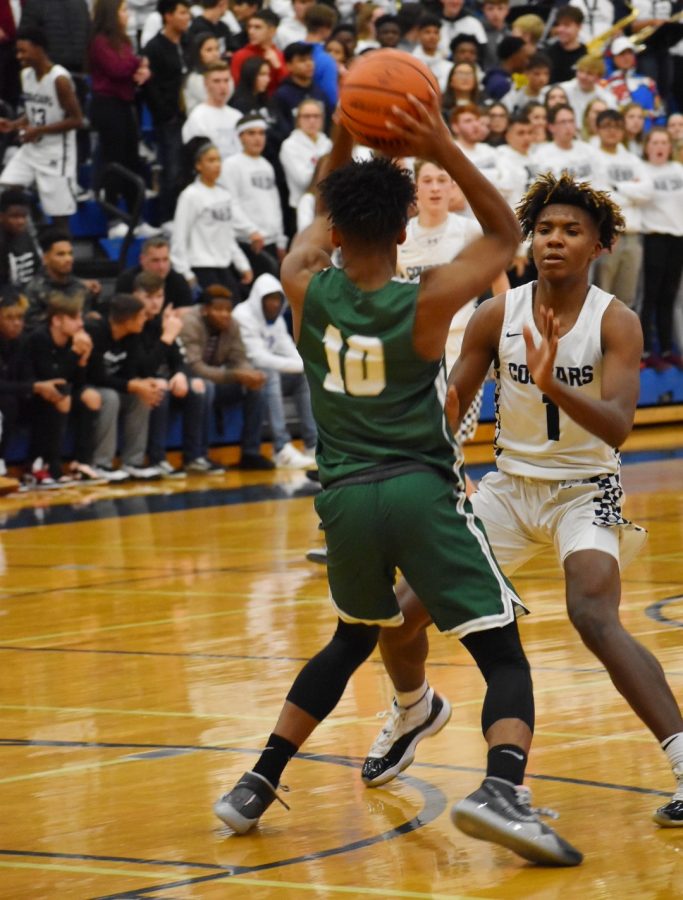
(439, 67)
(664, 213)
(627, 179)
(579, 100)
(218, 123)
(579, 160)
(251, 181)
(299, 155)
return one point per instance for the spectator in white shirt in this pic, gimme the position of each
(465, 126)
(428, 50)
(626, 177)
(585, 86)
(516, 173)
(213, 119)
(455, 20)
(204, 248)
(292, 28)
(564, 153)
(303, 148)
(537, 74)
(204, 50)
(250, 178)
(663, 250)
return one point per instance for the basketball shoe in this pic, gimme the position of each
(671, 814)
(501, 813)
(394, 748)
(247, 801)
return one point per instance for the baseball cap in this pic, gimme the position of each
(621, 44)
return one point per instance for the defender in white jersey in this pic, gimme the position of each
(567, 359)
(47, 129)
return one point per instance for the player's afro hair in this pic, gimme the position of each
(369, 200)
(598, 204)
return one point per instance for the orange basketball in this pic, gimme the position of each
(375, 82)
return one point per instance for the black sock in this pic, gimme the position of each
(507, 761)
(274, 758)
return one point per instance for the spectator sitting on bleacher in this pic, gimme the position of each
(261, 28)
(537, 74)
(297, 86)
(269, 347)
(15, 394)
(210, 21)
(163, 96)
(567, 49)
(60, 350)
(46, 130)
(627, 86)
(165, 361)
(215, 352)
(215, 120)
(513, 56)
(57, 275)
(155, 257)
(250, 178)
(19, 256)
(204, 248)
(117, 369)
(585, 86)
(428, 51)
(203, 51)
(303, 148)
(565, 152)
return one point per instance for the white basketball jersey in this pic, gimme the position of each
(534, 438)
(52, 153)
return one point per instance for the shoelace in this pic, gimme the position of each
(524, 797)
(384, 738)
(285, 790)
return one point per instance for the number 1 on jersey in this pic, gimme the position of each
(552, 417)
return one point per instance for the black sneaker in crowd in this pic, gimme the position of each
(254, 462)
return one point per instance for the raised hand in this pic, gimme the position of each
(423, 131)
(541, 359)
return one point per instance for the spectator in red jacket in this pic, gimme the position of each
(261, 28)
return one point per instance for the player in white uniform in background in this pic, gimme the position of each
(567, 386)
(435, 237)
(47, 130)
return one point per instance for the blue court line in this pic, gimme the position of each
(146, 504)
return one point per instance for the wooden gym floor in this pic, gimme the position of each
(148, 636)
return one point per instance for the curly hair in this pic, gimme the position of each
(547, 190)
(369, 200)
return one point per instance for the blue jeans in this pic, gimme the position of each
(253, 405)
(289, 384)
(192, 409)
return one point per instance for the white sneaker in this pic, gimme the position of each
(166, 470)
(145, 230)
(120, 230)
(310, 452)
(291, 458)
(143, 473)
(113, 476)
(3, 468)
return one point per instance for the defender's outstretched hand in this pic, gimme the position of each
(541, 359)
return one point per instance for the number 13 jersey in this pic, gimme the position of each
(533, 438)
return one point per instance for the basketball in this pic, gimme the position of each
(375, 82)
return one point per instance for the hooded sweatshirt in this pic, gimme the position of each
(268, 344)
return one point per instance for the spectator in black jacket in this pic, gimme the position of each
(210, 21)
(59, 351)
(57, 275)
(163, 95)
(16, 392)
(117, 369)
(155, 257)
(165, 362)
(19, 255)
(297, 86)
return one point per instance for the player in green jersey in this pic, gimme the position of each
(393, 494)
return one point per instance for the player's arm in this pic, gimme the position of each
(311, 248)
(609, 417)
(445, 289)
(479, 347)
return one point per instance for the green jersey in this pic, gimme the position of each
(377, 403)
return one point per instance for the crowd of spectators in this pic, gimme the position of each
(238, 98)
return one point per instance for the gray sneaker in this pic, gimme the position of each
(500, 812)
(247, 801)
(671, 814)
(394, 748)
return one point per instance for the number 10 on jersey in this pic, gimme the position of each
(356, 365)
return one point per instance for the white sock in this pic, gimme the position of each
(410, 698)
(673, 747)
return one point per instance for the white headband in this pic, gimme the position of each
(253, 123)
